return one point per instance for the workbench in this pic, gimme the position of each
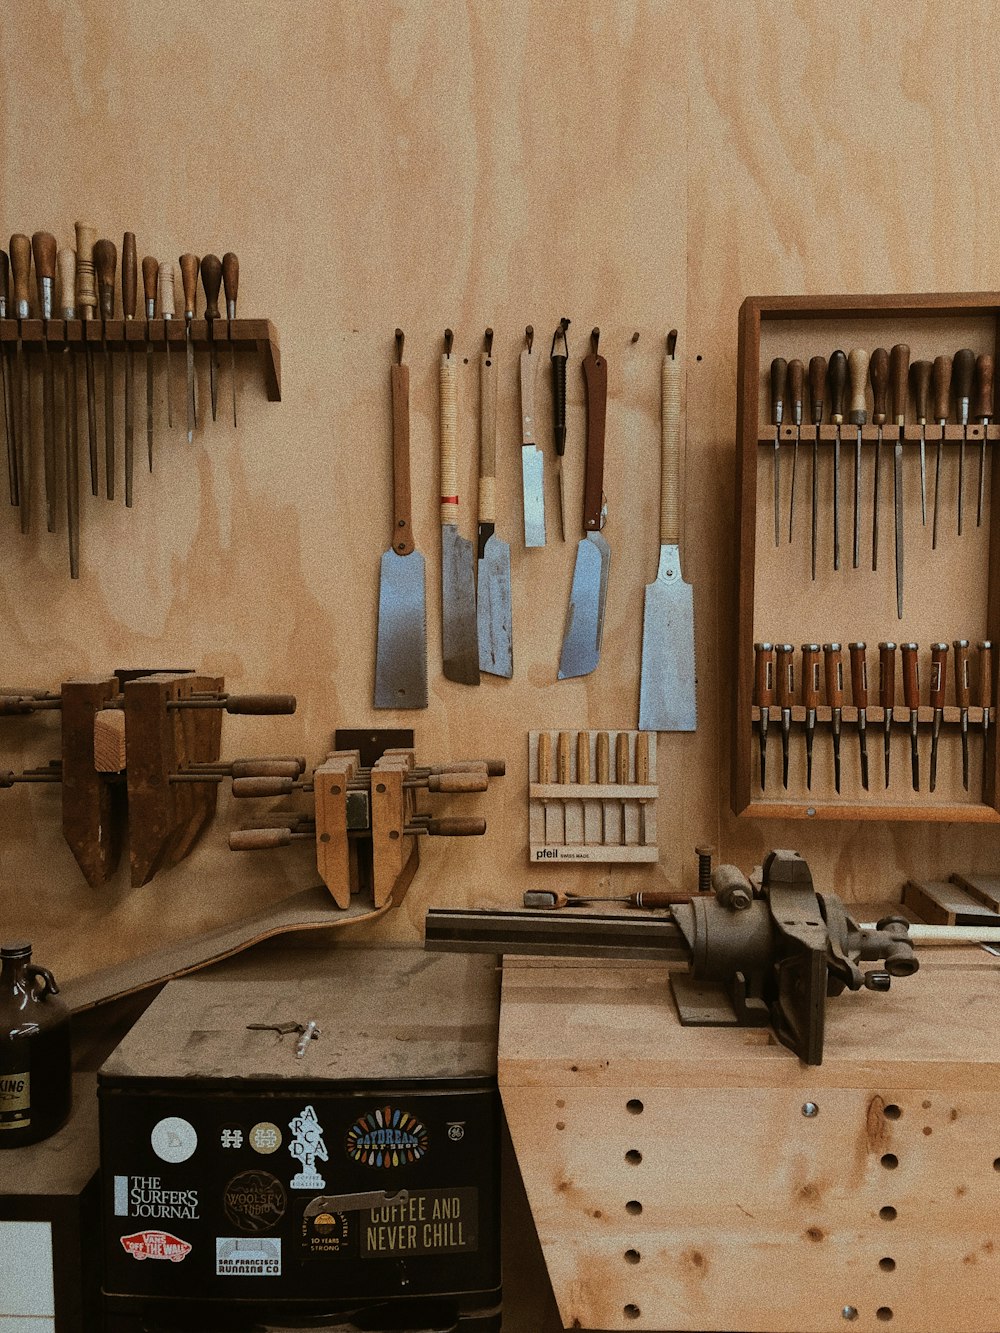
(704, 1178)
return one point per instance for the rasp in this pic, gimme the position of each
(459, 639)
(667, 687)
(899, 375)
(401, 655)
(43, 248)
(105, 265)
(86, 304)
(20, 272)
(165, 295)
(129, 276)
(963, 370)
(66, 262)
(150, 274)
(493, 606)
(532, 458)
(189, 281)
(581, 648)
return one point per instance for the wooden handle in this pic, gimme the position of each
(811, 669)
(833, 667)
(642, 759)
(838, 384)
(796, 379)
(911, 675)
(857, 374)
(621, 758)
(941, 388)
(231, 281)
(20, 271)
(458, 784)
(985, 674)
(763, 675)
(43, 248)
(4, 281)
(784, 675)
(150, 276)
(402, 530)
(859, 674)
(670, 451)
(86, 291)
(528, 375)
(454, 826)
(211, 281)
(962, 371)
(129, 274)
(939, 673)
(544, 757)
(582, 757)
(564, 748)
(899, 381)
(920, 374)
(982, 395)
(247, 788)
(448, 379)
(165, 288)
(105, 266)
(66, 266)
(961, 647)
(259, 839)
(595, 376)
(779, 378)
(659, 898)
(265, 768)
(887, 674)
(488, 435)
(260, 705)
(817, 388)
(189, 281)
(602, 758)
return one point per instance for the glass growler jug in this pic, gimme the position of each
(35, 1055)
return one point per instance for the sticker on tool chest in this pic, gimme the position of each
(430, 1222)
(306, 1146)
(156, 1245)
(144, 1196)
(173, 1139)
(326, 1233)
(265, 1138)
(254, 1201)
(387, 1138)
(238, 1256)
(15, 1101)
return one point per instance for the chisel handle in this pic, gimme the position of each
(251, 788)
(399, 381)
(20, 269)
(211, 281)
(887, 674)
(544, 757)
(488, 433)
(810, 674)
(150, 276)
(129, 274)
(857, 374)
(448, 381)
(231, 281)
(763, 675)
(985, 675)
(878, 373)
(165, 288)
(939, 674)
(911, 675)
(963, 371)
(642, 759)
(259, 839)
(602, 758)
(779, 380)
(4, 283)
(43, 247)
(784, 677)
(621, 758)
(982, 394)
(66, 264)
(833, 665)
(564, 749)
(941, 388)
(670, 448)
(582, 757)
(189, 281)
(86, 292)
(595, 380)
(899, 377)
(961, 647)
(859, 673)
(105, 265)
(920, 373)
(837, 379)
(817, 388)
(796, 379)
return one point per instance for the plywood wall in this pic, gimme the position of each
(631, 165)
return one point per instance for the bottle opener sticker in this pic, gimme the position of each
(306, 1146)
(156, 1245)
(237, 1256)
(173, 1139)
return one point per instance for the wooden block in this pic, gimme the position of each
(92, 810)
(984, 888)
(940, 903)
(394, 854)
(333, 859)
(109, 740)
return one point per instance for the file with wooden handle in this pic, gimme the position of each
(190, 265)
(493, 608)
(43, 248)
(129, 292)
(7, 386)
(105, 267)
(20, 273)
(66, 264)
(150, 276)
(86, 302)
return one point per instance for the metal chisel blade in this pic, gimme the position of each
(493, 610)
(192, 408)
(667, 688)
(532, 479)
(581, 647)
(149, 404)
(129, 424)
(401, 655)
(458, 607)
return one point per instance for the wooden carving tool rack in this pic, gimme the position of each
(592, 796)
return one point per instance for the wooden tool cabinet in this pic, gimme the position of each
(950, 593)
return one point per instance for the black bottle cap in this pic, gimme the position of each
(16, 949)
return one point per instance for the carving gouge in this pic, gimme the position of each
(796, 376)
(558, 357)
(20, 266)
(961, 647)
(105, 265)
(963, 370)
(231, 286)
(544, 766)
(941, 390)
(165, 293)
(602, 774)
(493, 609)
(460, 639)
(878, 373)
(810, 698)
(621, 775)
(532, 458)
(763, 694)
(779, 377)
(8, 389)
(838, 384)
(86, 301)
(784, 688)
(817, 388)
(211, 281)
(939, 680)
(583, 773)
(985, 690)
(834, 671)
(43, 248)
(899, 372)
(911, 698)
(982, 410)
(189, 281)
(887, 695)
(66, 260)
(150, 273)
(129, 277)
(920, 373)
(857, 372)
(859, 697)
(549, 900)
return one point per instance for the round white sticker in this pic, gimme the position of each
(173, 1139)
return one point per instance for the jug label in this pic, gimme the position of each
(15, 1101)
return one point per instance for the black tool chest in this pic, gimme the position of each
(248, 1186)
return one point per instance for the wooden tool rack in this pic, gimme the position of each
(952, 592)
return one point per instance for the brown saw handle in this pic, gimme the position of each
(961, 647)
(249, 788)
(595, 377)
(189, 281)
(105, 265)
(911, 675)
(399, 381)
(129, 275)
(920, 373)
(211, 281)
(878, 374)
(259, 839)
(939, 674)
(454, 826)
(859, 674)
(899, 376)
(458, 783)
(833, 664)
(763, 675)
(887, 674)
(670, 449)
(263, 705)
(488, 433)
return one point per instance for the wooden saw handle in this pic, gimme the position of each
(487, 434)
(670, 450)
(595, 375)
(448, 380)
(399, 380)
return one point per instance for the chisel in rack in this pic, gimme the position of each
(105, 266)
(150, 275)
(878, 373)
(887, 696)
(810, 698)
(7, 385)
(86, 302)
(796, 375)
(859, 697)
(66, 263)
(920, 373)
(817, 388)
(129, 277)
(911, 698)
(838, 385)
(211, 281)
(602, 767)
(857, 372)
(779, 376)
(834, 672)
(985, 690)
(941, 392)
(165, 293)
(939, 680)
(982, 410)
(961, 647)
(583, 773)
(189, 281)
(899, 374)
(621, 775)
(763, 694)
(784, 688)
(963, 371)
(231, 287)
(20, 272)
(43, 248)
